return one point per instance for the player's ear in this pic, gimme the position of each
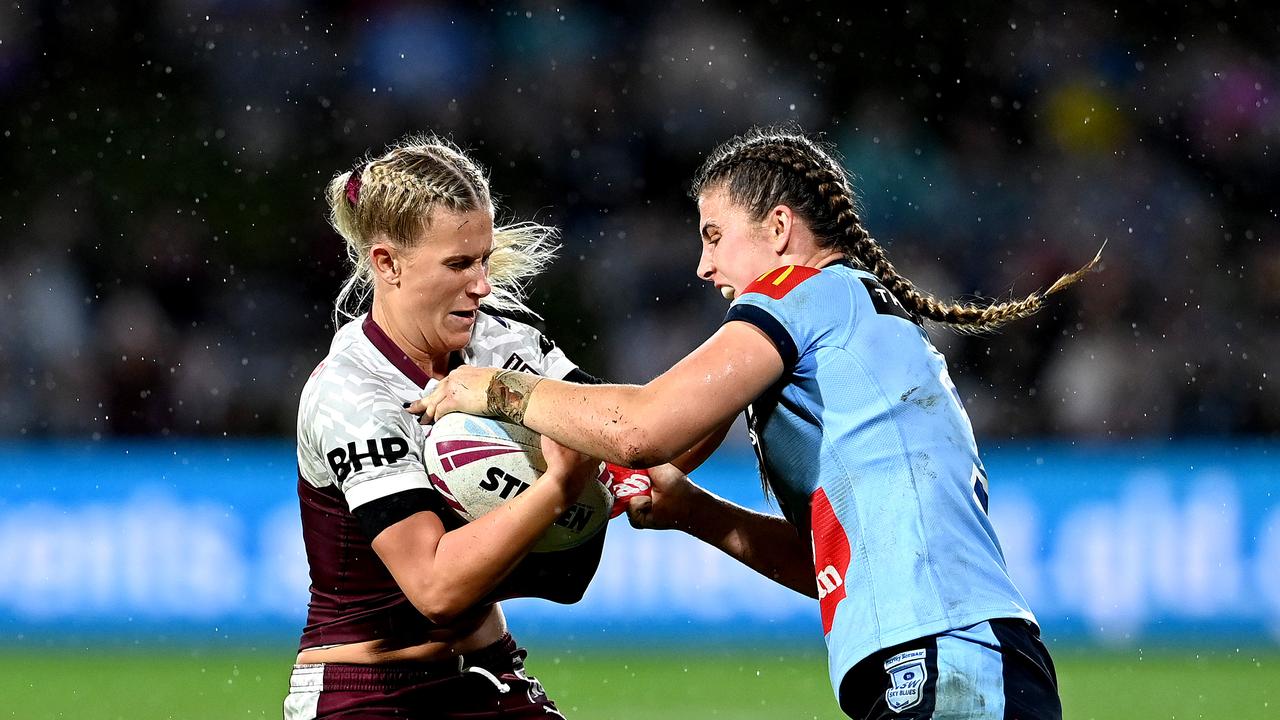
(385, 263)
(778, 225)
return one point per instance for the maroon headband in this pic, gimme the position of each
(353, 184)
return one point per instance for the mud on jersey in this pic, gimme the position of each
(357, 445)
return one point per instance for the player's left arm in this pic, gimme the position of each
(767, 544)
(690, 459)
(634, 426)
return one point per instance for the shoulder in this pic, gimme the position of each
(494, 325)
(349, 394)
(780, 282)
(347, 378)
(797, 289)
(798, 307)
(500, 340)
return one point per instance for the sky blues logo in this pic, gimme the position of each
(907, 674)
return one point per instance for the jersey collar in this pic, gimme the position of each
(396, 356)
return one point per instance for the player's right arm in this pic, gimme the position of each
(445, 573)
(767, 544)
(353, 435)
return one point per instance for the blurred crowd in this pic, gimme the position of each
(166, 267)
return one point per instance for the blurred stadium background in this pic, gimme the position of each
(166, 280)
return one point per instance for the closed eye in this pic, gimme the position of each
(463, 262)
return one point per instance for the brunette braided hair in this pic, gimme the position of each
(767, 167)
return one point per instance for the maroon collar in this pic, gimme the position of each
(393, 352)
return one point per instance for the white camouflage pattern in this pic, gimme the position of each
(356, 395)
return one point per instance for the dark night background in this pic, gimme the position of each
(166, 268)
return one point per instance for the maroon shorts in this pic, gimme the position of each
(488, 683)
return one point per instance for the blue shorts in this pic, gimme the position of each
(995, 670)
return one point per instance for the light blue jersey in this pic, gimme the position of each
(864, 440)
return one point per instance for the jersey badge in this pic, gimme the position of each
(779, 281)
(907, 675)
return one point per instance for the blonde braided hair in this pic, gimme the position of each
(392, 199)
(768, 167)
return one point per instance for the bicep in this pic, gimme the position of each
(715, 382)
(409, 545)
(404, 529)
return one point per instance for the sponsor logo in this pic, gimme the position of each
(828, 580)
(830, 556)
(885, 302)
(628, 486)
(545, 345)
(907, 675)
(517, 363)
(980, 485)
(778, 282)
(535, 692)
(575, 519)
(355, 456)
(505, 483)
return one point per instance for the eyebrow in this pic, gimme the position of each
(707, 226)
(465, 256)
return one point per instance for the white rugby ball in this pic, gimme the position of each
(479, 463)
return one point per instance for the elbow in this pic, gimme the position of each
(634, 457)
(637, 448)
(439, 605)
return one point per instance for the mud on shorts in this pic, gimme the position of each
(488, 683)
(995, 670)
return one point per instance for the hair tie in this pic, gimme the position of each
(353, 184)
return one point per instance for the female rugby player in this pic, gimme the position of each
(403, 620)
(860, 433)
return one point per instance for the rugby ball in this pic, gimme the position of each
(479, 463)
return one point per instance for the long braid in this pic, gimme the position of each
(769, 167)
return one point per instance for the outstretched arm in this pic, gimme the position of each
(767, 544)
(635, 426)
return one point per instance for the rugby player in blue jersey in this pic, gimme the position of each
(860, 432)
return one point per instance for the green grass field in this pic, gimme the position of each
(139, 684)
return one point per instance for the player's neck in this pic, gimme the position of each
(435, 365)
(815, 258)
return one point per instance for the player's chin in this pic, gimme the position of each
(456, 334)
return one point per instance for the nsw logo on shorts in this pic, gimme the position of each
(907, 674)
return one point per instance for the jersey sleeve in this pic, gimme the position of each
(797, 307)
(353, 432)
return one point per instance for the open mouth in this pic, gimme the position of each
(464, 314)
(727, 292)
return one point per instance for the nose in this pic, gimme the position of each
(480, 287)
(706, 267)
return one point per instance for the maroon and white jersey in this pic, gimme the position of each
(358, 450)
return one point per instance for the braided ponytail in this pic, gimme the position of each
(768, 167)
